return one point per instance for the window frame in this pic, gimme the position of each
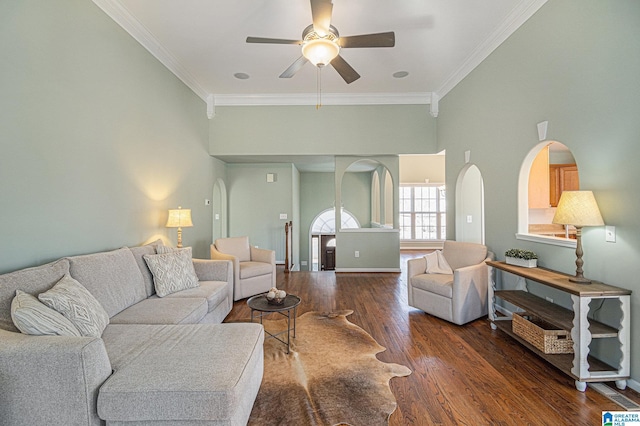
(440, 212)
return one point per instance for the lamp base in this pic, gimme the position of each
(580, 280)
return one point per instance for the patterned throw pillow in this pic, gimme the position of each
(72, 300)
(172, 272)
(34, 317)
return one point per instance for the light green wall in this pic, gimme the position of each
(98, 139)
(317, 194)
(332, 130)
(576, 64)
(255, 205)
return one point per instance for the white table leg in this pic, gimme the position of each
(581, 338)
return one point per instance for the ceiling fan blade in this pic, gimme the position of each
(272, 40)
(294, 67)
(369, 40)
(321, 13)
(345, 70)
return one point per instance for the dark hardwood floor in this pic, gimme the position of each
(462, 375)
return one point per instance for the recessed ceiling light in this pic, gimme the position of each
(400, 74)
(241, 76)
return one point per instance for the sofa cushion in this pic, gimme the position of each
(213, 291)
(236, 246)
(172, 272)
(112, 277)
(75, 302)
(254, 269)
(33, 317)
(138, 253)
(435, 283)
(183, 374)
(33, 281)
(155, 310)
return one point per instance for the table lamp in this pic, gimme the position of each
(578, 208)
(177, 219)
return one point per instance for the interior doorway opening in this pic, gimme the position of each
(322, 238)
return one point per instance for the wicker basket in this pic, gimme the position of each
(541, 334)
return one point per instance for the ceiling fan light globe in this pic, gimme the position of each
(320, 52)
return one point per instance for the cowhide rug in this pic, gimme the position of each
(331, 376)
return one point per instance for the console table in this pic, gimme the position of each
(579, 365)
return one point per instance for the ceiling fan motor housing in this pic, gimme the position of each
(320, 50)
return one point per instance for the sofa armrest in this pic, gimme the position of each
(470, 290)
(213, 270)
(51, 379)
(216, 270)
(416, 267)
(263, 255)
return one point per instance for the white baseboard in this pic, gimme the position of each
(633, 385)
(338, 270)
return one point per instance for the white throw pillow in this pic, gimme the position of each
(172, 272)
(437, 264)
(34, 317)
(72, 300)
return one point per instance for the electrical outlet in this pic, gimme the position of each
(469, 218)
(357, 253)
(610, 234)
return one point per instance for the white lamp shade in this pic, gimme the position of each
(578, 208)
(179, 218)
(320, 52)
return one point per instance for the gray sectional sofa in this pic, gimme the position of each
(160, 360)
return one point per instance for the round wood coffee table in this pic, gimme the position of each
(260, 304)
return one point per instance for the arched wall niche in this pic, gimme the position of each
(375, 182)
(540, 179)
(367, 249)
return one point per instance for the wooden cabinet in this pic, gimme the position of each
(562, 177)
(580, 365)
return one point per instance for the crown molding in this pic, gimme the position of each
(420, 98)
(130, 24)
(514, 20)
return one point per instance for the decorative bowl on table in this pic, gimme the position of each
(275, 296)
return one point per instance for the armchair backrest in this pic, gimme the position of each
(235, 246)
(460, 254)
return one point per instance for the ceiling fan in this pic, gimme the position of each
(321, 43)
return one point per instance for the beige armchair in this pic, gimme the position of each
(254, 269)
(459, 297)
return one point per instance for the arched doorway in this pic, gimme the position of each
(322, 233)
(470, 205)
